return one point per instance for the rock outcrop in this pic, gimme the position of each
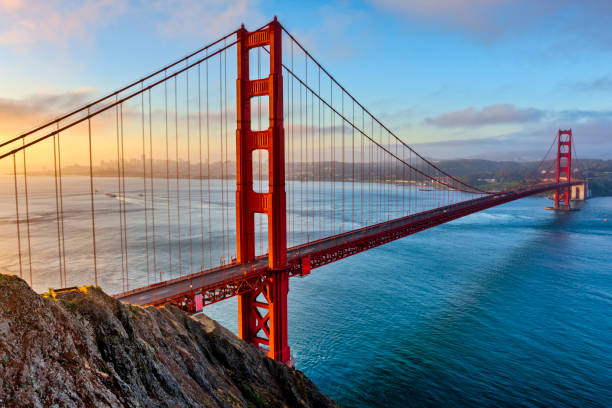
(89, 350)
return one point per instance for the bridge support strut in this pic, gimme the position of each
(262, 312)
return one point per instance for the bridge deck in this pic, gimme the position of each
(230, 280)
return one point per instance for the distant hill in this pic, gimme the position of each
(489, 174)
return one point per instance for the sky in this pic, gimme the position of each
(488, 79)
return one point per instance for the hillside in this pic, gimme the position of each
(492, 175)
(90, 350)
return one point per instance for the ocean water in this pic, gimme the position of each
(508, 307)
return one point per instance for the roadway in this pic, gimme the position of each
(171, 290)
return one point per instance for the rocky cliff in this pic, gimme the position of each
(88, 349)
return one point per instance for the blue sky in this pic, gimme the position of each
(454, 78)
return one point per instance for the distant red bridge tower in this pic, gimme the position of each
(564, 169)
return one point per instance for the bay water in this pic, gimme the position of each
(511, 306)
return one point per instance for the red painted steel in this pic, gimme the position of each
(236, 279)
(564, 167)
(271, 294)
(262, 282)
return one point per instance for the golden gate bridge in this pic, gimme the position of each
(205, 191)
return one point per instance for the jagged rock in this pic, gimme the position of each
(87, 349)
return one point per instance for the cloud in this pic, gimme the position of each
(18, 115)
(489, 115)
(491, 148)
(340, 34)
(591, 139)
(484, 18)
(10, 4)
(579, 115)
(209, 18)
(60, 23)
(592, 130)
(43, 103)
(53, 22)
(601, 84)
(570, 24)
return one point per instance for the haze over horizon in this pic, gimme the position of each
(453, 78)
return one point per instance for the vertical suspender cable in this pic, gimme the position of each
(377, 181)
(226, 184)
(309, 162)
(370, 173)
(333, 157)
(353, 172)
(342, 158)
(221, 161)
(17, 215)
(403, 183)
(390, 178)
(379, 187)
(313, 214)
(324, 176)
(319, 171)
(395, 178)
(57, 214)
(292, 168)
(201, 186)
(301, 169)
(119, 195)
(311, 168)
(422, 186)
(168, 178)
(291, 183)
(189, 177)
(144, 184)
(305, 124)
(127, 269)
(410, 187)
(91, 197)
(178, 192)
(385, 197)
(27, 205)
(304, 147)
(386, 186)
(61, 198)
(361, 179)
(210, 258)
(151, 180)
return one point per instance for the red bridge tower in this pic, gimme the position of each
(564, 168)
(262, 312)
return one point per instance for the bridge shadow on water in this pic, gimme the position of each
(470, 349)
